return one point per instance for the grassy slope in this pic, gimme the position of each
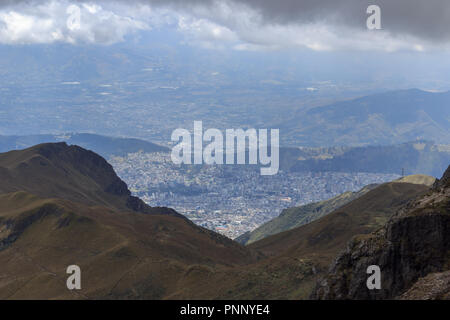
(370, 211)
(121, 254)
(297, 216)
(418, 179)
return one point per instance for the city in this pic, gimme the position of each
(230, 199)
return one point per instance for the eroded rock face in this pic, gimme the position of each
(432, 287)
(444, 182)
(414, 243)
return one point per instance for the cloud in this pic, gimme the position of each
(206, 33)
(318, 25)
(413, 25)
(427, 20)
(64, 21)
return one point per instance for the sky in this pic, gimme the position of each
(293, 53)
(241, 25)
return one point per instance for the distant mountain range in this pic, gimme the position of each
(418, 157)
(381, 119)
(103, 145)
(143, 93)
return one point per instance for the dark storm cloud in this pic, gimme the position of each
(426, 19)
(429, 19)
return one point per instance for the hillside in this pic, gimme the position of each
(297, 216)
(412, 251)
(331, 232)
(384, 119)
(63, 205)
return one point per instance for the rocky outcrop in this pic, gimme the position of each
(435, 286)
(414, 243)
(444, 182)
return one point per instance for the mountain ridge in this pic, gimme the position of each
(56, 169)
(73, 209)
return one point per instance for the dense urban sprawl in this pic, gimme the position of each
(230, 199)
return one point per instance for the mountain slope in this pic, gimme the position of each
(297, 216)
(68, 172)
(62, 205)
(360, 216)
(413, 244)
(386, 118)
